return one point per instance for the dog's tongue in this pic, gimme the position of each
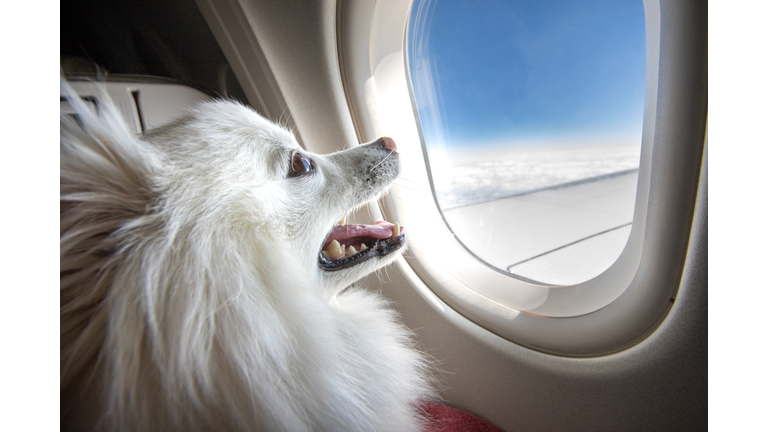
(382, 229)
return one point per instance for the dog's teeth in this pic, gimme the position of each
(363, 247)
(343, 221)
(396, 230)
(351, 251)
(334, 250)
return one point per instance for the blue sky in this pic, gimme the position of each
(511, 71)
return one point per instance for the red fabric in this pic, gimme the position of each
(446, 419)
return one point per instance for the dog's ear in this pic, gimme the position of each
(105, 170)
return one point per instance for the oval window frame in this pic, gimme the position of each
(614, 310)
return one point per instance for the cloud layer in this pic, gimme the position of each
(462, 180)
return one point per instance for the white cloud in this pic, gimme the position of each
(461, 180)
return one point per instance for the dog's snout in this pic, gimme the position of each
(388, 143)
(385, 143)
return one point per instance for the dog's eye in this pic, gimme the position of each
(300, 164)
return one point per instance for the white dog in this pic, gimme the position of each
(203, 280)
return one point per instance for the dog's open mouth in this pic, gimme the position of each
(349, 245)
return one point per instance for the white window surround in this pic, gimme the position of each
(613, 311)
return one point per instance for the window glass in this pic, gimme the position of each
(531, 114)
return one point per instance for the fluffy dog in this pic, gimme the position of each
(204, 280)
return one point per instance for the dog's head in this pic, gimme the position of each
(234, 170)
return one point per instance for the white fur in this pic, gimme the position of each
(191, 298)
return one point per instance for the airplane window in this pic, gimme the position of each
(531, 115)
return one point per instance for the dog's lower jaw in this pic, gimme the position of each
(378, 249)
(336, 281)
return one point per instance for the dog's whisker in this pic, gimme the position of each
(279, 121)
(381, 162)
(378, 276)
(412, 186)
